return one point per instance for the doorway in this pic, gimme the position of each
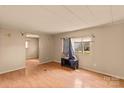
(32, 50)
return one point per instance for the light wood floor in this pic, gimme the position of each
(52, 75)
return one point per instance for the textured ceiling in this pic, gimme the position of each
(57, 19)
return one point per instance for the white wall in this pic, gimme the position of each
(107, 49)
(107, 55)
(45, 48)
(12, 50)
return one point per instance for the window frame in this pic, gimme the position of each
(79, 51)
(83, 41)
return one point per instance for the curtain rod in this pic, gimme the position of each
(78, 36)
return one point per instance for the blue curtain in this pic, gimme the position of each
(67, 48)
(71, 52)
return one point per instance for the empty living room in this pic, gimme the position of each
(61, 46)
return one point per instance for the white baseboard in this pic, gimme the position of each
(2, 72)
(57, 61)
(119, 77)
(46, 62)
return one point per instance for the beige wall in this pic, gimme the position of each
(107, 49)
(12, 50)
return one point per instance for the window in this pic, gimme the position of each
(26, 44)
(78, 46)
(86, 48)
(82, 45)
(87, 45)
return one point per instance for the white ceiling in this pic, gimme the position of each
(57, 19)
